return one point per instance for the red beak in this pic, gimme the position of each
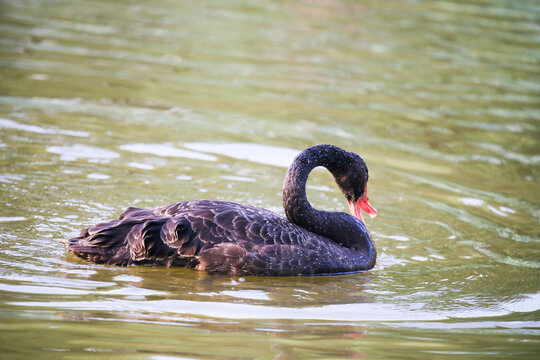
(362, 204)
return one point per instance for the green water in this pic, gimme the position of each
(108, 104)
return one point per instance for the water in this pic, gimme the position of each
(104, 105)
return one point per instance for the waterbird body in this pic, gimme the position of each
(230, 238)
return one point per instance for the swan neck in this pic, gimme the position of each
(337, 226)
(295, 202)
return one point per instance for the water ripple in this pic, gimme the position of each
(11, 124)
(479, 222)
(263, 154)
(166, 150)
(79, 151)
(341, 312)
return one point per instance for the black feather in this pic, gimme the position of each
(226, 237)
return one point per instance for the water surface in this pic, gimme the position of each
(105, 105)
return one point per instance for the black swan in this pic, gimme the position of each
(225, 237)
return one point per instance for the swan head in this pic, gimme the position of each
(352, 177)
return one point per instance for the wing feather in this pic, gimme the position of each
(215, 236)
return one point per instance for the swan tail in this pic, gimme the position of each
(159, 240)
(104, 243)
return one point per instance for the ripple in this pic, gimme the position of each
(478, 222)
(129, 114)
(471, 193)
(11, 218)
(397, 237)
(97, 176)
(184, 177)
(334, 312)
(324, 188)
(347, 312)
(50, 290)
(501, 210)
(10, 178)
(498, 149)
(39, 77)
(424, 152)
(516, 128)
(78, 151)
(238, 178)
(470, 325)
(11, 124)
(38, 289)
(58, 282)
(505, 259)
(247, 294)
(130, 278)
(164, 357)
(471, 201)
(262, 154)
(166, 150)
(131, 291)
(141, 166)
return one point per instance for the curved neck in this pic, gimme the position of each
(337, 226)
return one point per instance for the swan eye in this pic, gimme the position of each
(359, 196)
